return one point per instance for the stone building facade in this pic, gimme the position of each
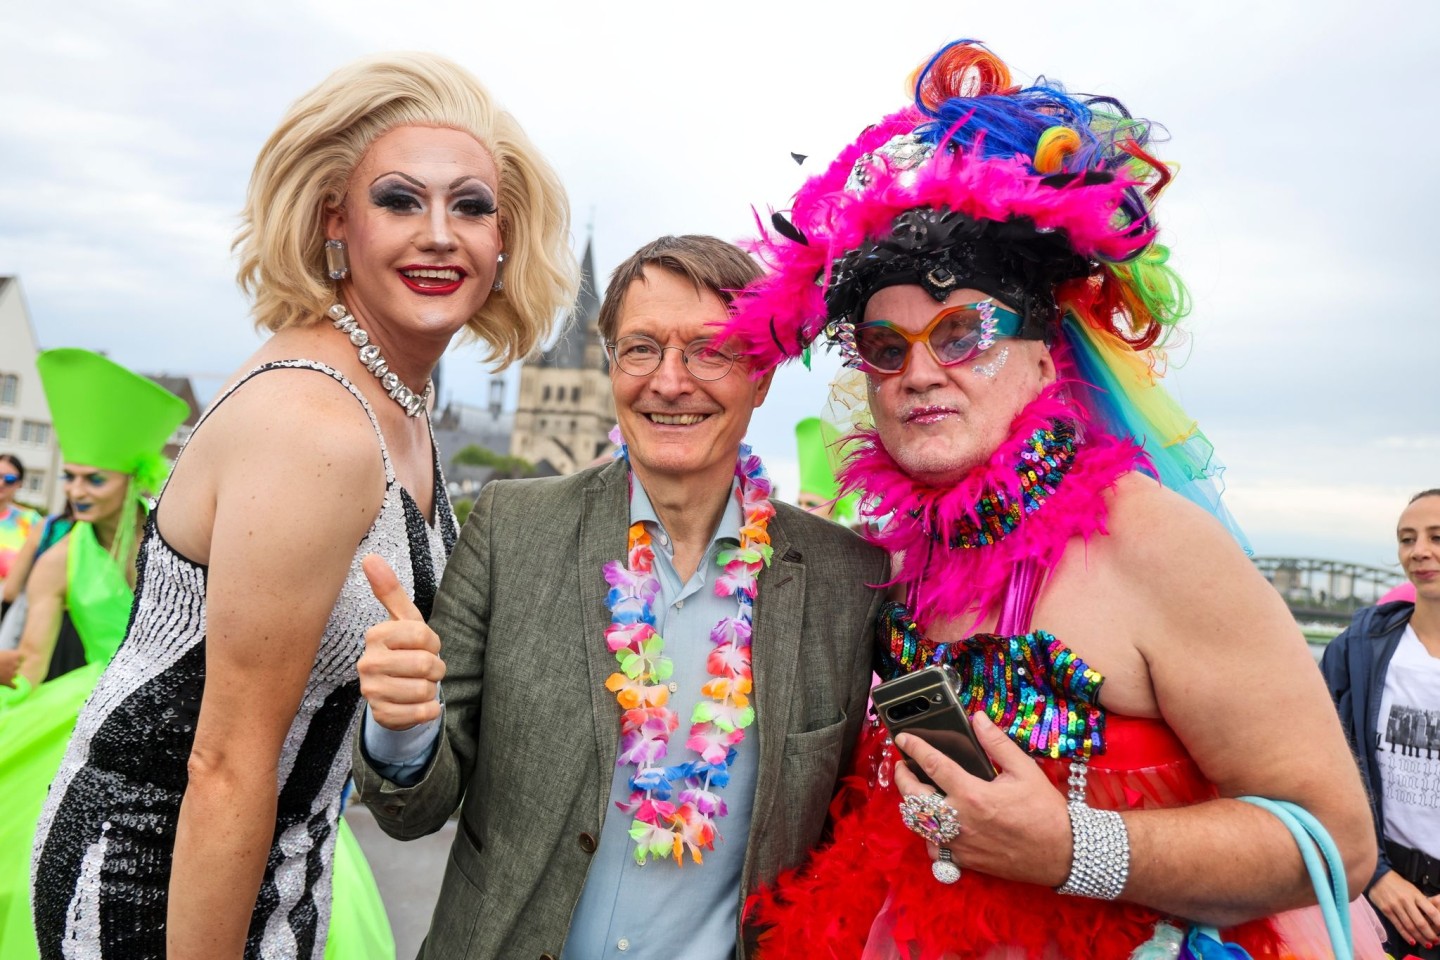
(565, 410)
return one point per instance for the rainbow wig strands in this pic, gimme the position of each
(1041, 198)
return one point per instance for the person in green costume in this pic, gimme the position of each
(111, 425)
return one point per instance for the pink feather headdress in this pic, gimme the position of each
(856, 202)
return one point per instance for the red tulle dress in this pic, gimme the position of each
(870, 895)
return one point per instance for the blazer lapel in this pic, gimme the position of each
(604, 526)
(774, 653)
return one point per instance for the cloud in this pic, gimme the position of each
(130, 129)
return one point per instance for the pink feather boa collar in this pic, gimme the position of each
(943, 583)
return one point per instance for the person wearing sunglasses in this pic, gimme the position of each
(986, 260)
(16, 520)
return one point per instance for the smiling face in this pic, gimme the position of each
(1418, 535)
(674, 424)
(938, 422)
(422, 232)
(97, 495)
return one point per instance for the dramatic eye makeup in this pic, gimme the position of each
(401, 193)
(394, 194)
(475, 203)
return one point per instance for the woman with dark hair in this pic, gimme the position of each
(1384, 673)
(16, 520)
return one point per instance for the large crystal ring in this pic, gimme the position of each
(931, 817)
(945, 869)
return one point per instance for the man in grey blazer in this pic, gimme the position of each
(529, 747)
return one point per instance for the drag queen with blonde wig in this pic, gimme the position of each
(195, 813)
(986, 260)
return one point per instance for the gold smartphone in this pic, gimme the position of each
(926, 703)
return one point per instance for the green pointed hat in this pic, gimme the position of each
(105, 416)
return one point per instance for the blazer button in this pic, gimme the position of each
(587, 842)
(547, 956)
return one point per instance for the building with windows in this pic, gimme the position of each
(185, 390)
(25, 429)
(565, 410)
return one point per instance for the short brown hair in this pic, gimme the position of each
(303, 169)
(708, 262)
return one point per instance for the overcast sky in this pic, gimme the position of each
(1301, 217)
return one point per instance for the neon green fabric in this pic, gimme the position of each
(820, 452)
(97, 595)
(359, 928)
(33, 735)
(104, 415)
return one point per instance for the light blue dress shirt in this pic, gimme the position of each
(661, 911)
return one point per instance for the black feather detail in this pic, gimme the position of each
(788, 230)
(799, 158)
(776, 337)
(1090, 178)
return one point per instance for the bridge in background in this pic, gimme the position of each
(1326, 591)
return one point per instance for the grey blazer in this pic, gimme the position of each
(531, 734)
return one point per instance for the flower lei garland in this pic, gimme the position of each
(666, 822)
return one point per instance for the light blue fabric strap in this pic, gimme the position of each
(1327, 874)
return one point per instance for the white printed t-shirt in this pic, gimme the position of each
(1408, 752)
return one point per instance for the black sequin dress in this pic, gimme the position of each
(101, 865)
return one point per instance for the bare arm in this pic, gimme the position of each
(1235, 680)
(45, 603)
(20, 566)
(293, 497)
(1232, 676)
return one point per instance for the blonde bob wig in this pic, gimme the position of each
(304, 168)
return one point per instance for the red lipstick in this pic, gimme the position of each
(422, 279)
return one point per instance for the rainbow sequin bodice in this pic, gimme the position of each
(1033, 686)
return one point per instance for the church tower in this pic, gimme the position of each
(565, 409)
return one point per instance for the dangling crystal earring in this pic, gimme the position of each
(337, 265)
(499, 283)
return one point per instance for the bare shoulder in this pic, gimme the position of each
(49, 575)
(1164, 540)
(298, 423)
(1194, 582)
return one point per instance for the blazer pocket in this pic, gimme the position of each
(458, 908)
(809, 770)
(828, 737)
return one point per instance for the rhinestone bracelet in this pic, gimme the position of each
(1100, 863)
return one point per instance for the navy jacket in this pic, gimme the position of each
(1354, 665)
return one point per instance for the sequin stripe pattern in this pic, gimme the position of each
(1033, 686)
(103, 854)
(1043, 461)
(100, 869)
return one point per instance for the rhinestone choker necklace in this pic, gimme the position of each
(412, 402)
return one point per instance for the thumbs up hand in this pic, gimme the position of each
(401, 667)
